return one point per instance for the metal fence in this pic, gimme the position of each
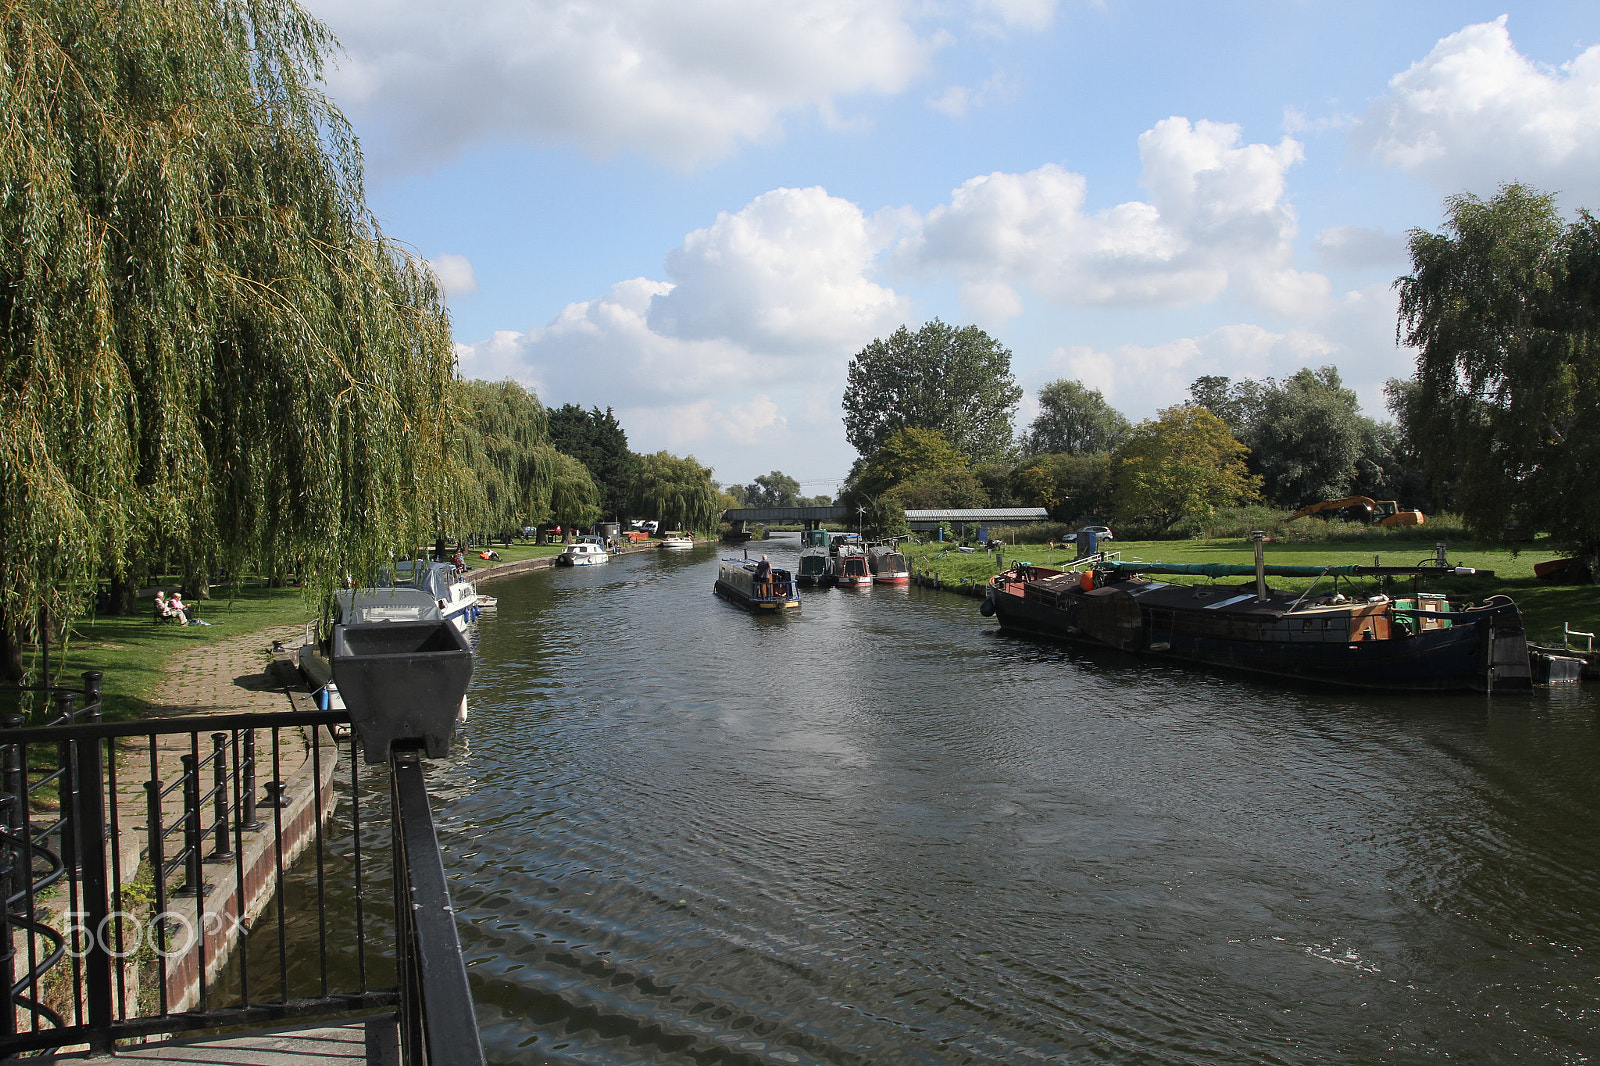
(190, 874)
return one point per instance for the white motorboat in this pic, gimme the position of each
(456, 595)
(676, 540)
(583, 553)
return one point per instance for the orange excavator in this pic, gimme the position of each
(1366, 509)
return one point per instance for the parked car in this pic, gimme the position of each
(1101, 533)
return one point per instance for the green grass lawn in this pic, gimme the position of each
(133, 651)
(1544, 607)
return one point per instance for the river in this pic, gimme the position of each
(880, 832)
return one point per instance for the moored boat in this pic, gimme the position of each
(757, 587)
(583, 553)
(449, 587)
(675, 540)
(815, 567)
(888, 566)
(1403, 642)
(851, 570)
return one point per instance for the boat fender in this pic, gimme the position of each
(987, 609)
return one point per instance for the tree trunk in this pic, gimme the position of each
(121, 595)
(12, 637)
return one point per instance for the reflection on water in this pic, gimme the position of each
(880, 832)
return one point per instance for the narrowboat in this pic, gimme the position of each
(1418, 642)
(757, 587)
(888, 566)
(814, 568)
(851, 570)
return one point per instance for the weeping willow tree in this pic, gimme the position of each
(676, 491)
(211, 355)
(574, 496)
(511, 464)
(1504, 311)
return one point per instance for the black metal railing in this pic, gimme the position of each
(147, 872)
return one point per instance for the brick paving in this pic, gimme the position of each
(226, 676)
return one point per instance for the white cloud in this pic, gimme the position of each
(682, 81)
(1217, 215)
(455, 274)
(786, 274)
(773, 296)
(1475, 113)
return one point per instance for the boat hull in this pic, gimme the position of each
(1488, 651)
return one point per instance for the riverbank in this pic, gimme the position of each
(1546, 609)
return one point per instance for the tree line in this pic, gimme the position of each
(1502, 307)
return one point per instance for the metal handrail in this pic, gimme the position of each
(88, 961)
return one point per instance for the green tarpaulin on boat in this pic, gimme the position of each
(1226, 569)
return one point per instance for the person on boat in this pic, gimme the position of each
(763, 574)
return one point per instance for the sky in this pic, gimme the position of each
(695, 212)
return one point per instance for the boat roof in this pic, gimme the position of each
(398, 604)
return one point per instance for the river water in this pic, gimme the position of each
(880, 832)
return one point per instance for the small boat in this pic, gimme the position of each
(675, 540)
(1404, 642)
(815, 567)
(583, 553)
(851, 569)
(454, 592)
(888, 566)
(756, 589)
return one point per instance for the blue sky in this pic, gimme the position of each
(696, 211)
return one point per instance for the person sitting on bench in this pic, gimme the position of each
(176, 609)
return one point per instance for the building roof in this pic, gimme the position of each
(981, 514)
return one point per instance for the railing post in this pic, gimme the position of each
(194, 880)
(248, 819)
(10, 767)
(223, 852)
(89, 832)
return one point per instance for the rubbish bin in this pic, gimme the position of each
(402, 681)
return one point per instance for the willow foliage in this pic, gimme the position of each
(511, 465)
(676, 491)
(209, 352)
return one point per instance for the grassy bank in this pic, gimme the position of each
(132, 651)
(1544, 607)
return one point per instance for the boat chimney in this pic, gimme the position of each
(1261, 566)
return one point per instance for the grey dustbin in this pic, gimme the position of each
(402, 681)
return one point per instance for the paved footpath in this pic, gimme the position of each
(226, 676)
